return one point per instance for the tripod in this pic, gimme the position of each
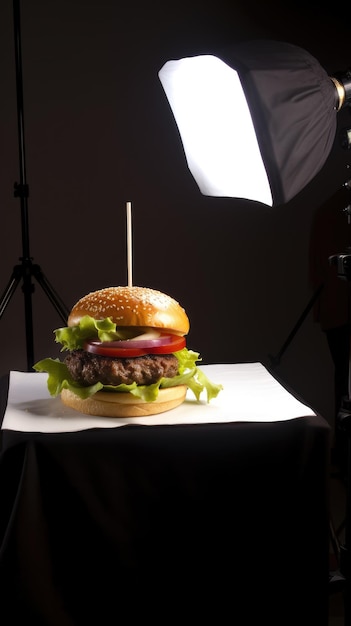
(26, 269)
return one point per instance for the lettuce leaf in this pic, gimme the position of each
(73, 338)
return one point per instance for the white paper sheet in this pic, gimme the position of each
(250, 394)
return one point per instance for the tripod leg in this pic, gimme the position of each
(20, 271)
(25, 272)
(345, 554)
(54, 298)
(275, 360)
(10, 288)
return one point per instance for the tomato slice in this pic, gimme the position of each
(112, 349)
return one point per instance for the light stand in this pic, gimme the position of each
(26, 269)
(343, 448)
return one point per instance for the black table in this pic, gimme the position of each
(223, 522)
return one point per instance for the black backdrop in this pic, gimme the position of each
(99, 133)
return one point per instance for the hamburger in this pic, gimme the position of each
(126, 355)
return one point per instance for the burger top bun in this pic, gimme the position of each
(133, 306)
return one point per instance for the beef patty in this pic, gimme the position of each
(88, 369)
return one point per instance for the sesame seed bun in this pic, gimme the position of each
(133, 306)
(105, 404)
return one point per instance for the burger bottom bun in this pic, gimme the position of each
(110, 404)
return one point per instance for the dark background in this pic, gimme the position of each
(99, 132)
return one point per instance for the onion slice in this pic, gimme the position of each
(136, 342)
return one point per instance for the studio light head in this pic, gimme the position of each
(342, 82)
(257, 121)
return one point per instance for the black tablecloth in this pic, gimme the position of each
(226, 523)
